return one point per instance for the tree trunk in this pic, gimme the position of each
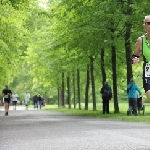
(116, 106)
(128, 52)
(93, 82)
(63, 90)
(128, 26)
(78, 87)
(68, 87)
(74, 91)
(87, 87)
(59, 97)
(102, 66)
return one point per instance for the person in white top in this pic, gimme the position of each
(14, 100)
(27, 99)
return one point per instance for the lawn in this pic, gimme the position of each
(122, 115)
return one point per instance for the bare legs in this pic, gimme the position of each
(6, 107)
(148, 95)
(26, 106)
(14, 105)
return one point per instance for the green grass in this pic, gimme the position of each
(122, 115)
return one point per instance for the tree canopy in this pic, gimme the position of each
(40, 40)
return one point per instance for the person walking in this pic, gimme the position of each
(6, 95)
(27, 99)
(143, 46)
(43, 100)
(106, 96)
(14, 100)
(132, 96)
(40, 101)
(35, 101)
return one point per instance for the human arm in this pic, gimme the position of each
(10, 93)
(137, 51)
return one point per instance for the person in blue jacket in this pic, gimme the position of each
(132, 90)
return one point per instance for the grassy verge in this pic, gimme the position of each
(122, 115)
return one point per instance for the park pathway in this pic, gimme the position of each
(48, 130)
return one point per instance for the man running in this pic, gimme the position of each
(143, 46)
(6, 95)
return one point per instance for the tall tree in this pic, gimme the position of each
(78, 87)
(92, 81)
(87, 87)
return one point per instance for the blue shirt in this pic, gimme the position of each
(132, 91)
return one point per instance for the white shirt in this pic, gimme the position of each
(27, 96)
(14, 96)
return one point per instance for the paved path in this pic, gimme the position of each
(46, 130)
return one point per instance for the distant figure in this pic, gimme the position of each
(35, 101)
(27, 99)
(43, 100)
(106, 96)
(14, 100)
(132, 96)
(6, 95)
(40, 101)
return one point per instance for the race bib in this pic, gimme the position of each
(147, 69)
(5, 96)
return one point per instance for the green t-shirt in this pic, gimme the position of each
(146, 48)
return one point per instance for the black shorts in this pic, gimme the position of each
(14, 102)
(7, 100)
(146, 83)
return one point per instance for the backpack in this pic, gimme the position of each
(107, 92)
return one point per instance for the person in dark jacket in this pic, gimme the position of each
(40, 101)
(132, 89)
(6, 95)
(106, 96)
(35, 101)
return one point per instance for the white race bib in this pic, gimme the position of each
(5, 96)
(147, 69)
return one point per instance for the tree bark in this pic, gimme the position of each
(59, 97)
(63, 90)
(74, 91)
(93, 82)
(68, 87)
(78, 87)
(128, 26)
(87, 87)
(114, 75)
(102, 66)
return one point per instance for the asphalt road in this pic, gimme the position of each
(46, 130)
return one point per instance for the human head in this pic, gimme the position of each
(147, 18)
(146, 24)
(132, 80)
(6, 86)
(105, 83)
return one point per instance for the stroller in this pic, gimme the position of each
(140, 106)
